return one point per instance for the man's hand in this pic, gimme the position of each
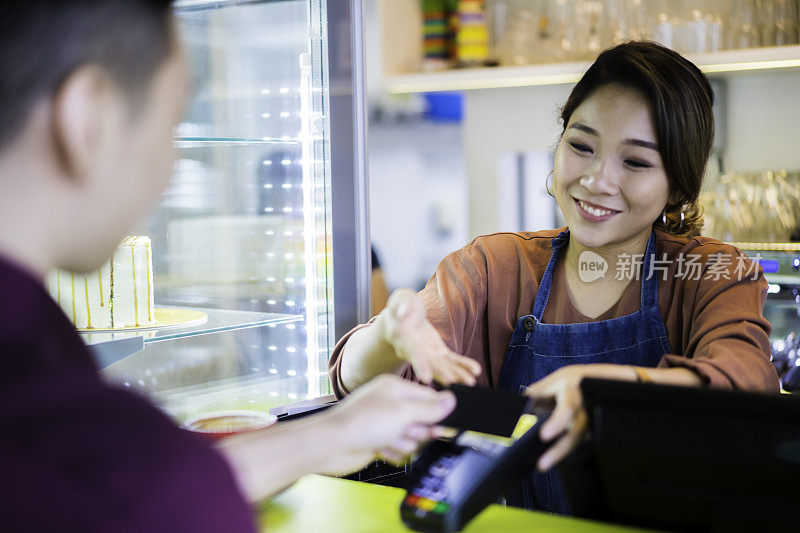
(387, 417)
(414, 339)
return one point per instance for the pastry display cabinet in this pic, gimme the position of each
(262, 229)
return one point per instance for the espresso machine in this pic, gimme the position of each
(781, 265)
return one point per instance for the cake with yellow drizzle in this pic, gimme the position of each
(118, 295)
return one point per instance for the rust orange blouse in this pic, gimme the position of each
(713, 316)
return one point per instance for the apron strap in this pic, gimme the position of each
(543, 292)
(649, 296)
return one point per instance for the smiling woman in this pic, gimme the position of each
(627, 291)
(609, 179)
(678, 99)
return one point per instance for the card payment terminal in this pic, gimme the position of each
(452, 481)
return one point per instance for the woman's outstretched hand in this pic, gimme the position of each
(414, 340)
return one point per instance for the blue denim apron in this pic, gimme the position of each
(537, 349)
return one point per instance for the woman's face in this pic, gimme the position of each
(609, 179)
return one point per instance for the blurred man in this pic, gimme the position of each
(89, 94)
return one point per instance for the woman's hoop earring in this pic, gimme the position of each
(546, 186)
(681, 226)
(664, 217)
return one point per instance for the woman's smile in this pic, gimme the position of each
(594, 212)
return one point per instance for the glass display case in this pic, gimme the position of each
(262, 229)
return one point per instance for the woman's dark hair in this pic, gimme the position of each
(681, 101)
(43, 41)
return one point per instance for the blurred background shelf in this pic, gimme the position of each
(724, 62)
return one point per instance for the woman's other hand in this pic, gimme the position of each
(568, 424)
(388, 417)
(414, 340)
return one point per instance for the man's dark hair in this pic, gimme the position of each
(681, 101)
(43, 41)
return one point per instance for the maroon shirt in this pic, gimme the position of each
(79, 455)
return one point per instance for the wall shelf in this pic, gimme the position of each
(725, 62)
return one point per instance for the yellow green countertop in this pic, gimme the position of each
(331, 505)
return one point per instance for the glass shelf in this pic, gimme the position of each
(195, 142)
(218, 320)
(188, 5)
(111, 347)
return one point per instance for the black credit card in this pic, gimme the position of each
(485, 410)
